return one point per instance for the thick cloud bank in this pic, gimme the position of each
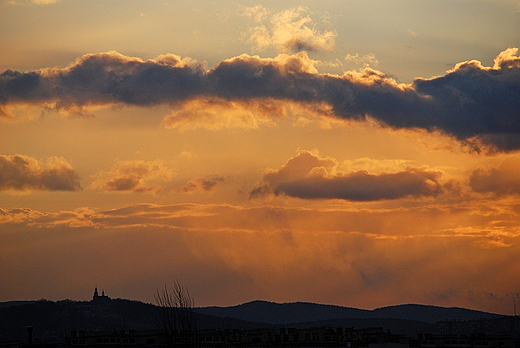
(308, 176)
(22, 173)
(476, 104)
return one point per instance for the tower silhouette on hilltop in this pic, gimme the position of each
(97, 297)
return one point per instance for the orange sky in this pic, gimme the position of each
(341, 153)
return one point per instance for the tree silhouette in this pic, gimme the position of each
(177, 315)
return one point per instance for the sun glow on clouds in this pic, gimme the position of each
(340, 245)
(172, 167)
(216, 114)
(354, 249)
(382, 206)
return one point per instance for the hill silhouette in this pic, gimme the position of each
(301, 312)
(54, 320)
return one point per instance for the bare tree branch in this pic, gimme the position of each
(177, 315)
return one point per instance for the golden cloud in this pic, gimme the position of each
(19, 173)
(290, 30)
(133, 176)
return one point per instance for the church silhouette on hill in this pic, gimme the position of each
(98, 298)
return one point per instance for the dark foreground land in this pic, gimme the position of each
(105, 322)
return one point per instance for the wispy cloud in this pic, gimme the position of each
(201, 184)
(362, 61)
(412, 33)
(26, 2)
(475, 104)
(44, 2)
(23, 173)
(290, 30)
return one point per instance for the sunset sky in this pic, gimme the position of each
(358, 153)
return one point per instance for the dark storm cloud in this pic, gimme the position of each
(106, 78)
(308, 176)
(478, 105)
(22, 173)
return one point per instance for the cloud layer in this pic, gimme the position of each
(23, 173)
(366, 257)
(476, 104)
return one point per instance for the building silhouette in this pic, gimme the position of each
(100, 298)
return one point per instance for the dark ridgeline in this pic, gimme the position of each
(104, 322)
(298, 312)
